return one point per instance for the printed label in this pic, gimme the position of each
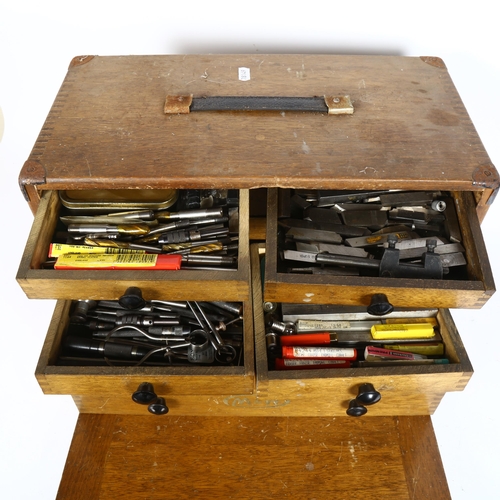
(315, 362)
(319, 325)
(106, 260)
(323, 352)
(244, 74)
(58, 249)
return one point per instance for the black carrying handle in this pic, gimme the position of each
(332, 105)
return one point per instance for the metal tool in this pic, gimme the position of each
(121, 349)
(130, 229)
(374, 218)
(342, 229)
(224, 353)
(406, 198)
(194, 247)
(200, 349)
(170, 331)
(389, 266)
(330, 312)
(321, 215)
(320, 247)
(135, 217)
(161, 332)
(189, 214)
(184, 236)
(431, 266)
(330, 198)
(299, 234)
(212, 260)
(125, 245)
(380, 238)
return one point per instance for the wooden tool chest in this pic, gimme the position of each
(384, 123)
(406, 128)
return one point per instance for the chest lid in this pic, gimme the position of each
(108, 127)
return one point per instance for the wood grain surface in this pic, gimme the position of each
(409, 127)
(132, 457)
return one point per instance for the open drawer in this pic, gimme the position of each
(405, 390)
(206, 284)
(100, 385)
(470, 287)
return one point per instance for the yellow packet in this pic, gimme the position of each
(404, 331)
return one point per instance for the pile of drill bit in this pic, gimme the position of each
(202, 227)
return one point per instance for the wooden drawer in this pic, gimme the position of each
(112, 386)
(470, 291)
(405, 390)
(229, 285)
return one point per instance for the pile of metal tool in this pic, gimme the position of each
(135, 332)
(397, 234)
(305, 336)
(202, 227)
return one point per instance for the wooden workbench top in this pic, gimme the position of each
(139, 457)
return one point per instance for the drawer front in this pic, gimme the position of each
(216, 284)
(405, 390)
(235, 404)
(120, 382)
(472, 290)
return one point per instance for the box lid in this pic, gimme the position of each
(409, 128)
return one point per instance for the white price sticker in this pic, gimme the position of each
(244, 74)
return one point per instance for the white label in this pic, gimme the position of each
(323, 352)
(304, 325)
(312, 362)
(244, 74)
